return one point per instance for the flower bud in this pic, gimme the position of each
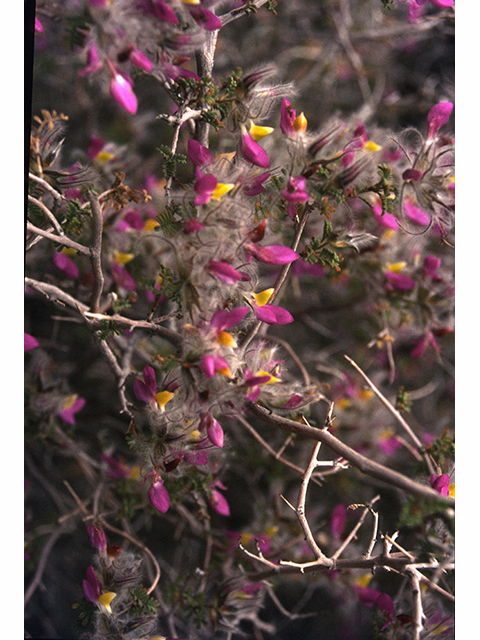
(122, 93)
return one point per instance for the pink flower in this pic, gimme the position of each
(95, 145)
(192, 226)
(212, 364)
(204, 18)
(440, 113)
(439, 4)
(146, 389)
(72, 405)
(271, 254)
(386, 219)
(29, 342)
(383, 601)
(204, 186)
(253, 152)
(140, 60)
(118, 466)
(122, 93)
(287, 118)
(198, 154)
(94, 63)
(223, 319)
(440, 483)
(416, 214)
(91, 586)
(122, 278)
(65, 264)
(295, 189)
(271, 314)
(214, 430)
(226, 273)
(160, 9)
(217, 501)
(412, 175)
(430, 266)
(158, 495)
(399, 281)
(254, 186)
(97, 537)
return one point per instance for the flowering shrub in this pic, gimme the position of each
(226, 325)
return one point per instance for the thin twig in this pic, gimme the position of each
(96, 251)
(65, 240)
(395, 413)
(357, 526)
(357, 460)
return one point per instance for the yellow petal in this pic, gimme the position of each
(364, 580)
(257, 132)
(221, 189)
(451, 490)
(123, 258)
(225, 338)
(150, 225)
(266, 373)
(372, 146)
(105, 599)
(104, 156)
(195, 435)
(162, 397)
(263, 297)
(191, 1)
(300, 123)
(396, 267)
(68, 251)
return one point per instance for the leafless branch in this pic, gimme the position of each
(357, 460)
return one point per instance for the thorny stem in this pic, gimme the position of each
(357, 460)
(353, 532)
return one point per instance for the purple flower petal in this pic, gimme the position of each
(158, 496)
(29, 342)
(272, 314)
(253, 152)
(122, 93)
(198, 154)
(219, 503)
(438, 115)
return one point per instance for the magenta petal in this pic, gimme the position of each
(198, 154)
(440, 483)
(29, 342)
(219, 503)
(253, 152)
(438, 116)
(272, 254)
(158, 496)
(215, 433)
(272, 314)
(225, 272)
(123, 94)
(141, 392)
(207, 366)
(287, 117)
(416, 214)
(92, 588)
(223, 319)
(400, 281)
(205, 18)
